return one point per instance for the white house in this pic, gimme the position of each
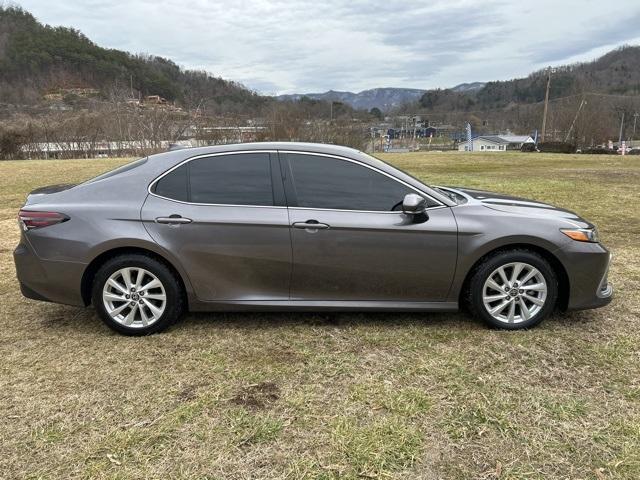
(496, 143)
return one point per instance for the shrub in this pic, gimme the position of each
(556, 147)
(598, 151)
(10, 143)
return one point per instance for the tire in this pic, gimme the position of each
(527, 304)
(136, 295)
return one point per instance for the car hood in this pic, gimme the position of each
(518, 205)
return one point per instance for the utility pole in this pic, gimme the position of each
(621, 128)
(414, 132)
(546, 106)
(635, 119)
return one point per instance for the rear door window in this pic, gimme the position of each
(236, 179)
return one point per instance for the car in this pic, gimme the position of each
(299, 226)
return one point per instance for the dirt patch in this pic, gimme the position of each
(257, 396)
(188, 393)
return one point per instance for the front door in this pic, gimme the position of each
(351, 243)
(224, 217)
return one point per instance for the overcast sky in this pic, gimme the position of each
(313, 46)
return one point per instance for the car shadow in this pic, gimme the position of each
(262, 320)
(86, 320)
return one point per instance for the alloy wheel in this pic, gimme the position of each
(134, 297)
(514, 292)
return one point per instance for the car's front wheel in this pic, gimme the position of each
(514, 289)
(137, 295)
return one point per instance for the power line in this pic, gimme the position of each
(582, 103)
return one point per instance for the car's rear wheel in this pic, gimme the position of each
(137, 295)
(513, 290)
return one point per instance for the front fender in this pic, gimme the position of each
(481, 231)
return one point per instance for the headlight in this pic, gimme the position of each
(582, 234)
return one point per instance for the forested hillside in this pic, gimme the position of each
(37, 58)
(616, 73)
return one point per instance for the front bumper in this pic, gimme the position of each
(52, 281)
(604, 295)
(587, 266)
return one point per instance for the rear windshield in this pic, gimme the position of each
(124, 168)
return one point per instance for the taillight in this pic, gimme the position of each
(30, 219)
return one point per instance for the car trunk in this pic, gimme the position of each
(40, 194)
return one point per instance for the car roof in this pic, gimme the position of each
(295, 146)
(168, 159)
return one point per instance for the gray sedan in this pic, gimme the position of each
(294, 226)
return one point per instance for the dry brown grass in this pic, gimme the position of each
(334, 395)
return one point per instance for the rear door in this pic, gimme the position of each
(351, 242)
(225, 218)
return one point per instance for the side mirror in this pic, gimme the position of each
(413, 204)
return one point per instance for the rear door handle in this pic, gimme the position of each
(311, 225)
(173, 220)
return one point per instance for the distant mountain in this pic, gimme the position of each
(382, 98)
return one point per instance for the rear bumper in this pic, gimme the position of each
(52, 281)
(32, 294)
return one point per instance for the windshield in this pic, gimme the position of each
(456, 197)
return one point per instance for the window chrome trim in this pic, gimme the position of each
(383, 212)
(299, 152)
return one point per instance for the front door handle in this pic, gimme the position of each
(173, 220)
(311, 225)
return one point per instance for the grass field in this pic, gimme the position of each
(425, 396)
